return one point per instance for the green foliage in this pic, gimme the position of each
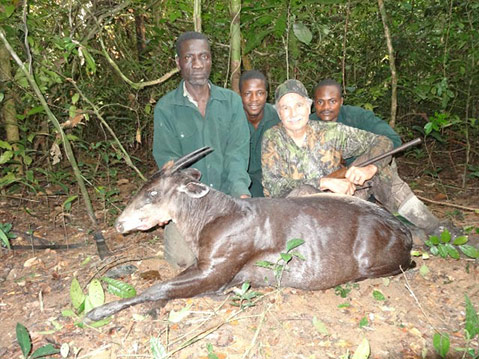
(83, 303)
(25, 343)
(211, 353)
(444, 246)
(472, 320)
(119, 288)
(284, 258)
(378, 295)
(243, 297)
(441, 344)
(6, 234)
(344, 290)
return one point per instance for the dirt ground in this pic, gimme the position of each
(35, 285)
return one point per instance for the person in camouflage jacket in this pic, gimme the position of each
(298, 153)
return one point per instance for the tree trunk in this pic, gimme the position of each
(392, 64)
(235, 44)
(8, 111)
(197, 15)
(140, 35)
(343, 60)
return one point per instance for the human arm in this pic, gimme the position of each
(236, 150)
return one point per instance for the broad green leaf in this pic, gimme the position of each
(265, 264)
(363, 322)
(472, 319)
(460, 240)
(67, 205)
(441, 344)
(68, 313)
(76, 294)
(157, 349)
(320, 326)
(4, 239)
(5, 145)
(441, 248)
(48, 349)
(23, 339)
(434, 250)
(286, 256)
(35, 110)
(452, 251)
(434, 240)
(176, 317)
(363, 350)
(378, 295)
(100, 323)
(469, 251)
(302, 32)
(95, 293)
(119, 288)
(9, 9)
(293, 243)
(445, 236)
(5, 157)
(89, 60)
(75, 98)
(344, 305)
(424, 270)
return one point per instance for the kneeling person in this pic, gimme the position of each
(300, 152)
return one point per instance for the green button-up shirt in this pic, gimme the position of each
(179, 128)
(270, 118)
(358, 117)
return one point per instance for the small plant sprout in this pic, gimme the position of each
(243, 297)
(6, 234)
(279, 267)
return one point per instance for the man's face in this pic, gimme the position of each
(293, 111)
(194, 62)
(253, 93)
(327, 102)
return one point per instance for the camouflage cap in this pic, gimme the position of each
(290, 86)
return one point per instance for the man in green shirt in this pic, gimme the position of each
(199, 114)
(300, 152)
(328, 103)
(261, 116)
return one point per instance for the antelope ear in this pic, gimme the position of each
(192, 172)
(194, 189)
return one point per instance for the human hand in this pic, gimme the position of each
(337, 185)
(359, 175)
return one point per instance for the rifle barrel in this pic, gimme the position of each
(390, 153)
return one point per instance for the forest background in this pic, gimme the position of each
(79, 79)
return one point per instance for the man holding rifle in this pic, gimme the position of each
(299, 153)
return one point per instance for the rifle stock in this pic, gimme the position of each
(341, 173)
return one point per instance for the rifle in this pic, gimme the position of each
(340, 173)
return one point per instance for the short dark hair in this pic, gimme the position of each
(189, 35)
(329, 82)
(253, 74)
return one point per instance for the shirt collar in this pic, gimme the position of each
(188, 95)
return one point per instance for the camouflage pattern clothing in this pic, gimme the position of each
(287, 166)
